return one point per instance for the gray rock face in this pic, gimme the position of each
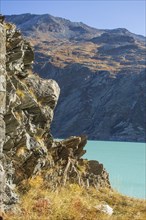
(2, 112)
(101, 74)
(101, 106)
(30, 104)
(26, 144)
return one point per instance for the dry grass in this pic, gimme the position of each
(75, 203)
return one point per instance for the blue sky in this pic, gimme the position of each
(104, 14)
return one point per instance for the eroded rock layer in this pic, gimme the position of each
(28, 146)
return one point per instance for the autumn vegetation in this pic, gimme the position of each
(73, 202)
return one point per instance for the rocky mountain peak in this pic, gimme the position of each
(55, 26)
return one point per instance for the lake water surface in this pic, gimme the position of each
(125, 163)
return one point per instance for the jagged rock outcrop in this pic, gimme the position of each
(30, 103)
(26, 115)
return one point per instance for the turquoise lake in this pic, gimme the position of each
(125, 163)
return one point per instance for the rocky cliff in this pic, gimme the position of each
(101, 74)
(27, 146)
(2, 109)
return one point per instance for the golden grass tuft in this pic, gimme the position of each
(75, 203)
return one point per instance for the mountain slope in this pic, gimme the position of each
(101, 74)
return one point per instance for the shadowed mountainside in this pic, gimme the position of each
(101, 74)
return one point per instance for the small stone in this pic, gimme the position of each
(105, 208)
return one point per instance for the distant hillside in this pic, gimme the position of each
(101, 74)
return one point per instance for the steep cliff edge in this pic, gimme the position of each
(27, 146)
